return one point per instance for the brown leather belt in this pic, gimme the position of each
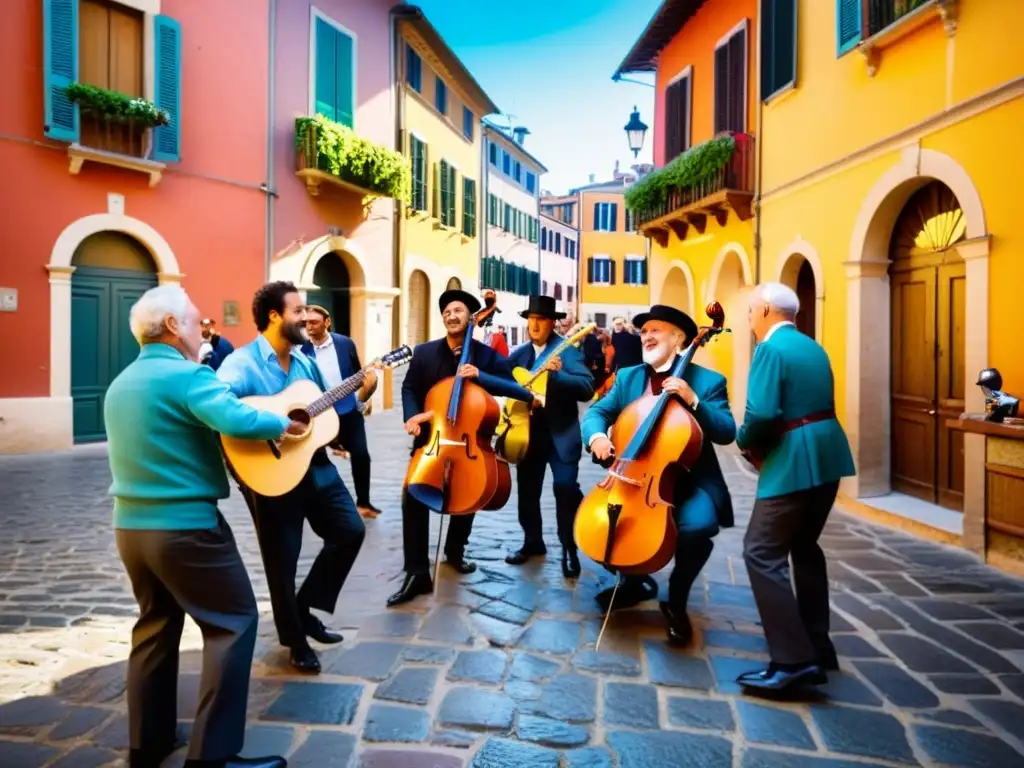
(805, 420)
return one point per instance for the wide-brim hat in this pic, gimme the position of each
(671, 315)
(454, 294)
(543, 306)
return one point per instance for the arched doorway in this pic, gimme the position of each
(112, 270)
(454, 284)
(731, 354)
(798, 274)
(675, 291)
(929, 291)
(419, 307)
(333, 283)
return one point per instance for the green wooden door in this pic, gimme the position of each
(101, 342)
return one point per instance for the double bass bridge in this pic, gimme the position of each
(627, 480)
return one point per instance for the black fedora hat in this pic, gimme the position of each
(454, 294)
(543, 306)
(667, 314)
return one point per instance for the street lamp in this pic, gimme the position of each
(635, 132)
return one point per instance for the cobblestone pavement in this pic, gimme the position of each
(499, 668)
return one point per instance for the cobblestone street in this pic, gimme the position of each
(499, 668)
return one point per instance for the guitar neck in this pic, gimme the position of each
(340, 392)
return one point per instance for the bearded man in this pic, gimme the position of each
(702, 501)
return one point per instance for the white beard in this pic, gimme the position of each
(659, 355)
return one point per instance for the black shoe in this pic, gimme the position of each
(525, 552)
(305, 660)
(315, 629)
(680, 630)
(774, 678)
(631, 593)
(570, 563)
(238, 762)
(460, 564)
(827, 658)
(415, 584)
(153, 757)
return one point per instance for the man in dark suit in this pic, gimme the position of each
(431, 362)
(627, 345)
(338, 358)
(702, 501)
(791, 420)
(215, 347)
(554, 435)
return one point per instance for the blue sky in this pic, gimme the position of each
(549, 63)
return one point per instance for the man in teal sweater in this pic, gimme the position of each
(791, 421)
(163, 413)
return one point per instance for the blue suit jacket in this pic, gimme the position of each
(790, 378)
(348, 364)
(712, 414)
(567, 387)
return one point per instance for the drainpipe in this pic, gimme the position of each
(269, 190)
(758, 144)
(485, 200)
(397, 214)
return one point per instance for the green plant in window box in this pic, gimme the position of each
(119, 123)
(695, 169)
(336, 149)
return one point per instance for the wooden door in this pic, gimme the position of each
(950, 310)
(419, 308)
(102, 344)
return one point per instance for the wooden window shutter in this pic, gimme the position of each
(779, 46)
(721, 88)
(345, 66)
(613, 225)
(611, 271)
(738, 82)
(325, 81)
(436, 198)
(60, 69)
(597, 215)
(590, 269)
(848, 25)
(167, 93)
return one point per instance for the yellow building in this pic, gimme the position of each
(613, 255)
(440, 108)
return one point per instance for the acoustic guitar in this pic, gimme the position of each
(272, 468)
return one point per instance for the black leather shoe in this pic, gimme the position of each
(776, 679)
(631, 593)
(680, 630)
(829, 662)
(415, 584)
(316, 630)
(152, 757)
(238, 762)
(460, 564)
(525, 552)
(570, 563)
(305, 660)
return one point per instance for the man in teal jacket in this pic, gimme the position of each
(702, 498)
(791, 421)
(162, 414)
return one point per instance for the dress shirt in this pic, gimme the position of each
(327, 359)
(254, 370)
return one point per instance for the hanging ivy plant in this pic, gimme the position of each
(698, 165)
(336, 149)
(115, 107)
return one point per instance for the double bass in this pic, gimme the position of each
(454, 470)
(627, 522)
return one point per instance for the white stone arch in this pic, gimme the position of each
(61, 269)
(438, 276)
(785, 266)
(735, 306)
(687, 273)
(868, 331)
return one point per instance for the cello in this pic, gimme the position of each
(455, 471)
(627, 522)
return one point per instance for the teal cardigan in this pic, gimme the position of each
(162, 415)
(790, 378)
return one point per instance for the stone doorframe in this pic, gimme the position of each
(800, 247)
(868, 331)
(61, 269)
(740, 326)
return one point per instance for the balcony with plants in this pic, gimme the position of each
(332, 154)
(709, 179)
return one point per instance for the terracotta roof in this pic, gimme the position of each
(663, 26)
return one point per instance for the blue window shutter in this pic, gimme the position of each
(848, 25)
(345, 107)
(326, 74)
(60, 68)
(167, 57)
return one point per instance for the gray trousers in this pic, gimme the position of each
(784, 527)
(200, 573)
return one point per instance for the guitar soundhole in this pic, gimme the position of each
(301, 415)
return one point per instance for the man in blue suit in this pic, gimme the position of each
(554, 435)
(431, 362)
(338, 358)
(791, 421)
(702, 499)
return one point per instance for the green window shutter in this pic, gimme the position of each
(326, 76)
(167, 95)
(344, 103)
(778, 46)
(436, 197)
(60, 69)
(452, 197)
(848, 25)
(469, 207)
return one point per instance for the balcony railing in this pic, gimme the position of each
(712, 191)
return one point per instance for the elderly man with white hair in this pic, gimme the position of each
(791, 432)
(163, 413)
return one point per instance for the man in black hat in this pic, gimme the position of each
(431, 362)
(702, 501)
(554, 435)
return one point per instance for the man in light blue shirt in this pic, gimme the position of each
(266, 366)
(162, 415)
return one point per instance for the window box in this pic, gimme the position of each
(329, 152)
